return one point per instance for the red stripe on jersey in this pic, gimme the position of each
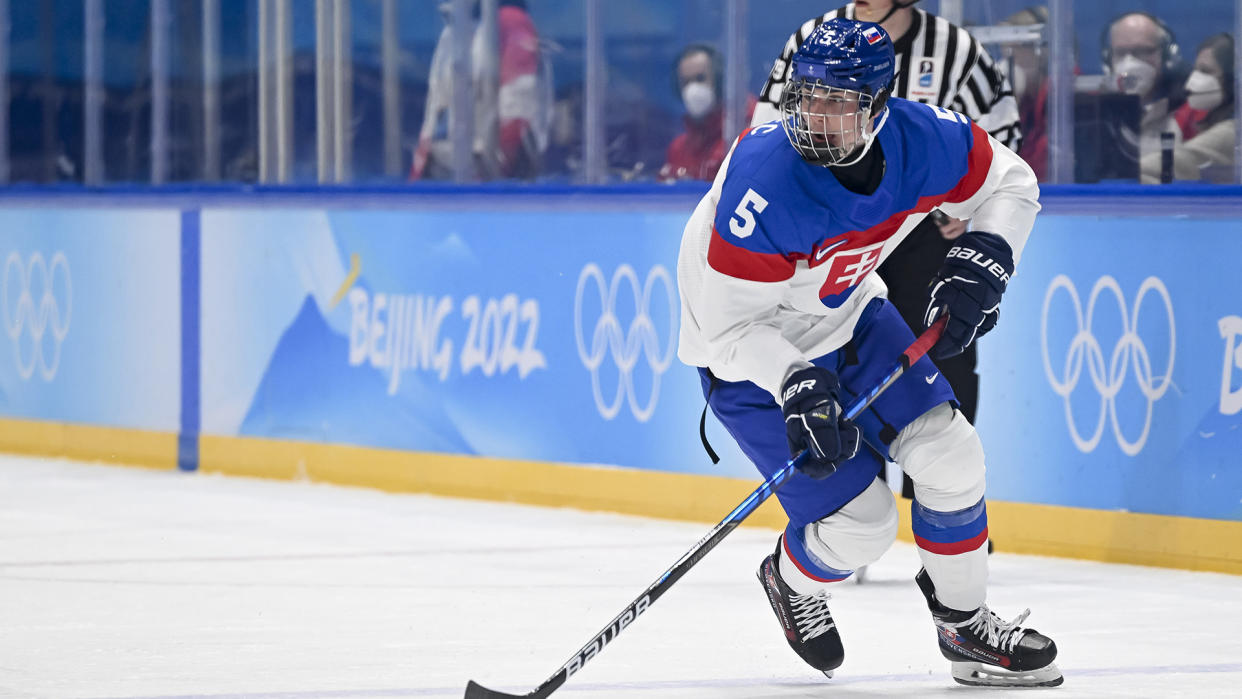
(979, 162)
(740, 263)
(954, 547)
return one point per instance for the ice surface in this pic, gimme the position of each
(118, 582)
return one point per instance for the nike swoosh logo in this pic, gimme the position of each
(932, 379)
(819, 255)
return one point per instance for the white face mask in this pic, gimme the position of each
(1205, 91)
(699, 99)
(1134, 76)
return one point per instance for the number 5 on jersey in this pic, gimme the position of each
(949, 114)
(746, 226)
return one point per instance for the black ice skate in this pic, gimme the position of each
(988, 652)
(805, 619)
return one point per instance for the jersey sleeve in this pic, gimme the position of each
(746, 279)
(745, 232)
(999, 191)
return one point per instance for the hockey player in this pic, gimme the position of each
(786, 319)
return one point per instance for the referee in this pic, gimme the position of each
(937, 63)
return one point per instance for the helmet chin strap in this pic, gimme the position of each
(896, 6)
(867, 141)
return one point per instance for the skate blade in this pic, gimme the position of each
(980, 675)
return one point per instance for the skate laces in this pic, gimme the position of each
(997, 633)
(811, 613)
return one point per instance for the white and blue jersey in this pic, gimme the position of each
(777, 272)
(778, 261)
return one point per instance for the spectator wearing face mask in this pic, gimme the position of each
(1140, 57)
(697, 152)
(1209, 155)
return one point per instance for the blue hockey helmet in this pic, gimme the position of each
(840, 78)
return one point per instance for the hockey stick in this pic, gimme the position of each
(696, 553)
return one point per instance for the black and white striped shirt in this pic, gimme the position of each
(937, 62)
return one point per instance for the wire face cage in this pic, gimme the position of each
(826, 124)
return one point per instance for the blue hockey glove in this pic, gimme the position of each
(813, 421)
(968, 288)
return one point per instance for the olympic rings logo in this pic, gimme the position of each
(1108, 380)
(625, 347)
(31, 310)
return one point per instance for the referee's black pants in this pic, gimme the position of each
(908, 273)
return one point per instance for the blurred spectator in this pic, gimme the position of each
(1140, 57)
(1209, 155)
(696, 153)
(511, 89)
(635, 131)
(564, 155)
(1028, 74)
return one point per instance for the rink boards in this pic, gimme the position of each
(520, 345)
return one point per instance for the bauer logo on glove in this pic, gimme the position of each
(813, 421)
(997, 269)
(809, 384)
(968, 289)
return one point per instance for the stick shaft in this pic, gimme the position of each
(717, 534)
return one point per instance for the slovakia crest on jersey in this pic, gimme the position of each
(872, 35)
(846, 270)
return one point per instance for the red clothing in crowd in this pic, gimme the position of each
(509, 112)
(1188, 120)
(1033, 115)
(697, 152)
(519, 66)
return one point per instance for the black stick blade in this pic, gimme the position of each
(474, 690)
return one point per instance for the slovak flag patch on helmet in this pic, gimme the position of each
(872, 35)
